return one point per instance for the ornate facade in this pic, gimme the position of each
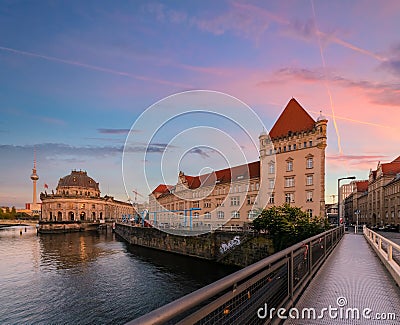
(378, 199)
(77, 198)
(291, 170)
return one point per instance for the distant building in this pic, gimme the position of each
(381, 187)
(77, 198)
(377, 199)
(291, 170)
(351, 204)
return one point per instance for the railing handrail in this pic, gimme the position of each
(185, 303)
(384, 239)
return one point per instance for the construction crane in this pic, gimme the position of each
(136, 194)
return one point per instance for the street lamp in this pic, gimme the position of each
(338, 192)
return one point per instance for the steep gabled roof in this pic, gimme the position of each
(362, 186)
(293, 118)
(391, 168)
(162, 188)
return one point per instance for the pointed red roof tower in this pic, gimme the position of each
(293, 119)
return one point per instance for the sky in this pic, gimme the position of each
(76, 76)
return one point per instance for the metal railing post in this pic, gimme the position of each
(291, 274)
(390, 252)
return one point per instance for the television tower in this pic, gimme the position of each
(34, 177)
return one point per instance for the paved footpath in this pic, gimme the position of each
(353, 274)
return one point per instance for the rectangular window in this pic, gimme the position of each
(271, 183)
(271, 168)
(305, 144)
(207, 215)
(289, 166)
(310, 143)
(251, 199)
(196, 204)
(309, 196)
(220, 215)
(309, 180)
(310, 163)
(207, 203)
(272, 198)
(289, 147)
(294, 147)
(289, 181)
(234, 200)
(289, 197)
(235, 215)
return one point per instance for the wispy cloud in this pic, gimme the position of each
(251, 21)
(113, 131)
(202, 152)
(148, 148)
(392, 64)
(378, 92)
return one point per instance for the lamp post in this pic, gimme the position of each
(357, 213)
(338, 192)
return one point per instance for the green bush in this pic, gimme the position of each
(288, 225)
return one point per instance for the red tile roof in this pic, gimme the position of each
(293, 118)
(391, 168)
(362, 186)
(246, 171)
(162, 188)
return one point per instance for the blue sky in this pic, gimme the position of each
(75, 76)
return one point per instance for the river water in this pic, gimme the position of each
(90, 278)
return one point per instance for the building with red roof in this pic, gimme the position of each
(291, 170)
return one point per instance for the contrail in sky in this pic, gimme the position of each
(357, 121)
(94, 67)
(326, 82)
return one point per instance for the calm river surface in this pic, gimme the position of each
(90, 278)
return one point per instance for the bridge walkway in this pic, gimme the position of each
(352, 277)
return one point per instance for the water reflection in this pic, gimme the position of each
(66, 251)
(87, 278)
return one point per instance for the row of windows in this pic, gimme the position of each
(290, 181)
(221, 215)
(289, 197)
(86, 193)
(232, 189)
(290, 147)
(72, 206)
(289, 165)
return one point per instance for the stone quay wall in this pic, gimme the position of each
(228, 247)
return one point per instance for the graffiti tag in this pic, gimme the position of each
(232, 243)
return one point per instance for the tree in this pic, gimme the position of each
(287, 225)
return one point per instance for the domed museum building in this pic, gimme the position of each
(77, 199)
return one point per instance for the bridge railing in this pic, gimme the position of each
(277, 281)
(387, 251)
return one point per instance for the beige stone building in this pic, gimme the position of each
(378, 198)
(351, 202)
(392, 202)
(378, 208)
(77, 198)
(291, 170)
